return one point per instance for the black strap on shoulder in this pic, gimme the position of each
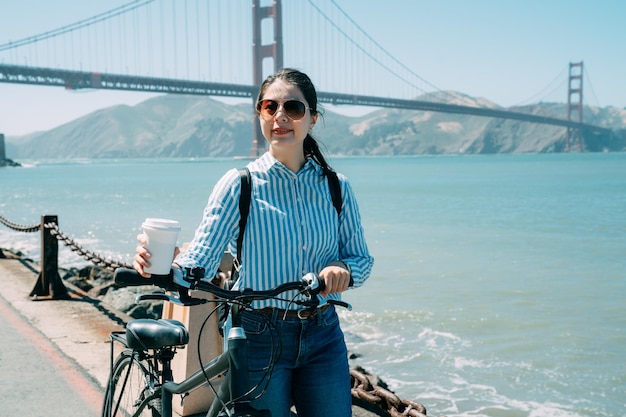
(244, 207)
(335, 190)
(246, 195)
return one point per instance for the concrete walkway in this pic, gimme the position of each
(54, 358)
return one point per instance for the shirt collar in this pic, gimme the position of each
(268, 162)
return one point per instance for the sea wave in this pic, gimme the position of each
(440, 369)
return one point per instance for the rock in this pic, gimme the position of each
(98, 283)
(125, 300)
(88, 277)
(9, 163)
(7, 254)
(353, 355)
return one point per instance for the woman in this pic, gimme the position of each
(292, 229)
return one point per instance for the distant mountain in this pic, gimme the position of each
(192, 126)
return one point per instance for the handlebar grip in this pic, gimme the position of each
(322, 284)
(126, 277)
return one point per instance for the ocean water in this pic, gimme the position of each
(499, 287)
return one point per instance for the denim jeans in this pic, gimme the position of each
(310, 364)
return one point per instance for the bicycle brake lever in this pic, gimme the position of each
(339, 303)
(183, 299)
(187, 300)
(158, 296)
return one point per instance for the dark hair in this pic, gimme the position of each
(304, 83)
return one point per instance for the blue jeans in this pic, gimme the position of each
(311, 364)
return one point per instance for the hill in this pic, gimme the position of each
(193, 126)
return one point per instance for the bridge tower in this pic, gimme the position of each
(575, 103)
(261, 51)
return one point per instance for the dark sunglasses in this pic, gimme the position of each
(294, 109)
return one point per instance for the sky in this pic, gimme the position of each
(507, 51)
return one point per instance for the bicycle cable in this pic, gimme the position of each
(273, 359)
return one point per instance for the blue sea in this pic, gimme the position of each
(500, 281)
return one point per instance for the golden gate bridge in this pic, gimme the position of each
(209, 47)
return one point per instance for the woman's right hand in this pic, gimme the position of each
(141, 260)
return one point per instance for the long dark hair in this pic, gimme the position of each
(304, 83)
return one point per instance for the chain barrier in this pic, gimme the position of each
(19, 228)
(71, 243)
(92, 257)
(387, 401)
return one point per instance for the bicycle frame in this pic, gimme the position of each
(233, 363)
(236, 390)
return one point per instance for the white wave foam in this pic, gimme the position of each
(26, 243)
(461, 363)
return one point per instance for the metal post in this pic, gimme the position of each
(49, 280)
(3, 154)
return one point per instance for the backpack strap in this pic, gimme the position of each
(245, 195)
(244, 209)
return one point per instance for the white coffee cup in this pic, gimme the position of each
(161, 236)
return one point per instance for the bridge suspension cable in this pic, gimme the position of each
(543, 93)
(341, 56)
(589, 86)
(385, 51)
(361, 48)
(75, 26)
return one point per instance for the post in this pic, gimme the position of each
(49, 280)
(3, 154)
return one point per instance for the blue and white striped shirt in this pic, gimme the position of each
(292, 228)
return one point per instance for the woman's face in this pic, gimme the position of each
(282, 132)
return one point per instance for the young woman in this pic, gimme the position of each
(293, 228)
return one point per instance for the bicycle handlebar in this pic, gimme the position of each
(126, 277)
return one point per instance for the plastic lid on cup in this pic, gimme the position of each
(164, 224)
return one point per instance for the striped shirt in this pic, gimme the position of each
(292, 228)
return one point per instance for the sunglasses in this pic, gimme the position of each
(294, 109)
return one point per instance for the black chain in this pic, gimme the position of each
(19, 228)
(54, 230)
(93, 257)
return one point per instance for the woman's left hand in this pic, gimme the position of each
(336, 277)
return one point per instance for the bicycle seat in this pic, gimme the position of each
(155, 334)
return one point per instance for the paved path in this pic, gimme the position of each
(54, 356)
(38, 379)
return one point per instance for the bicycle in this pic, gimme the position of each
(140, 382)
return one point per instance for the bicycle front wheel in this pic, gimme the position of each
(133, 389)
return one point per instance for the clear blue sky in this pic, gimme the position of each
(509, 52)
